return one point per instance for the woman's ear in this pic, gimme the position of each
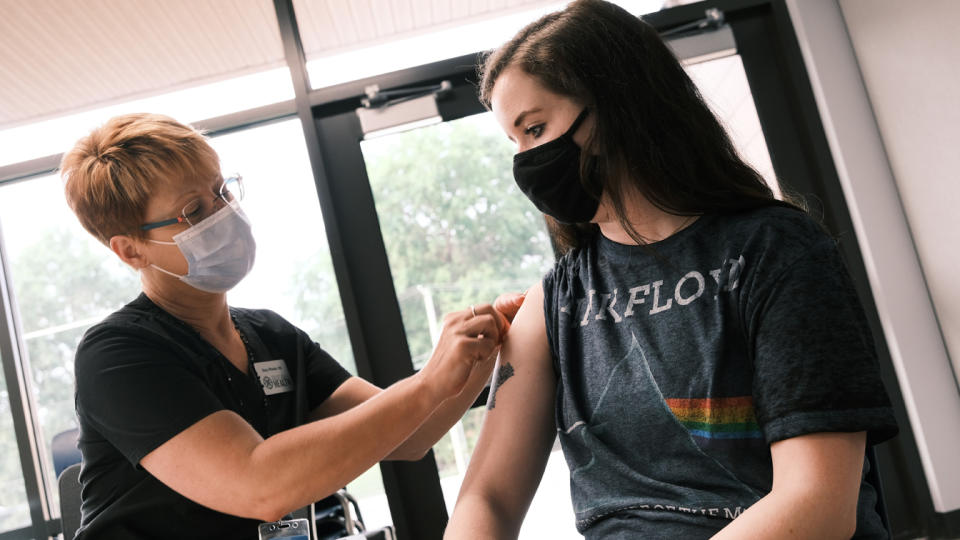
(128, 250)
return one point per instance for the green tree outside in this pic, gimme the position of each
(63, 284)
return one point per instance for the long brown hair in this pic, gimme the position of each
(652, 132)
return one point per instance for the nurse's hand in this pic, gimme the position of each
(508, 304)
(469, 341)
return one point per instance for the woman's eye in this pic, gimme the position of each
(535, 130)
(192, 210)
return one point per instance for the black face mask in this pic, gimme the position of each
(549, 175)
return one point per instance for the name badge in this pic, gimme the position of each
(274, 377)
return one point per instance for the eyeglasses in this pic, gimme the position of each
(200, 208)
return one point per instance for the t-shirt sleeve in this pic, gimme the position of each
(136, 393)
(549, 283)
(324, 374)
(815, 365)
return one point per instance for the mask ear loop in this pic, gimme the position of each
(178, 276)
(576, 123)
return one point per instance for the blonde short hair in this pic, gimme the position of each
(110, 175)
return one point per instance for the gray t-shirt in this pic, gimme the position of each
(680, 363)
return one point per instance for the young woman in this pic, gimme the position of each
(200, 420)
(698, 348)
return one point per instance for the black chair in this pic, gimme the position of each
(873, 477)
(66, 466)
(64, 450)
(69, 487)
(338, 517)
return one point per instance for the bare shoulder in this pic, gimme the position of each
(525, 352)
(529, 322)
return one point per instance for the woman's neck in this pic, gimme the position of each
(649, 222)
(207, 313)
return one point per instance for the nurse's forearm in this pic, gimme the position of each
(444, 417)
(302, 465)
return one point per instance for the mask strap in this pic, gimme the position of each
(161, 242)
(178, 276)
(577, 122)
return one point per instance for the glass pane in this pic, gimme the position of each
(293, 274)
(14, 510)
(723, 84)
(63, 281)
(457, 229)
(458, 232)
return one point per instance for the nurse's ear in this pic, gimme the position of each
(129, 251)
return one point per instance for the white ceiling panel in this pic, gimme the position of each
(330, 27)
(66, 56)
(59, 57)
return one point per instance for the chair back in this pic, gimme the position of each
(64, 450)
(873, 477)
(69, 487)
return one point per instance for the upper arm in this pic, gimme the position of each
(138, 393)
(207, 463)
(325, 376)
(518, 429)
(151, 402)
(814, 367)
(816, 486)
(822, 469)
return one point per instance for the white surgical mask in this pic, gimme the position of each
(220, 250)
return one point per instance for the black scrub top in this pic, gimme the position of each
(143, 376)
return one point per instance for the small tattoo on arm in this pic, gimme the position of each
(504, 373)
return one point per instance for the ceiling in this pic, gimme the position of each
(59, 57)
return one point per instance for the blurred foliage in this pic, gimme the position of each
(457, 229)
(64, 282)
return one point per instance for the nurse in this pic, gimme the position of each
(201, 420)
(698, 349)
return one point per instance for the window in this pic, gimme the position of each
(723, 83)
(458, 231)
(293, 274)
(14, 510)
(452, 218)
(64, 280)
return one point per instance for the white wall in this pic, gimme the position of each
(890, 129)
(909, 55)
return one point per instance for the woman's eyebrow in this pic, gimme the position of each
(186, 197)
(520, 117)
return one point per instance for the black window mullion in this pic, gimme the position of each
(366, 288)
(413, 488)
